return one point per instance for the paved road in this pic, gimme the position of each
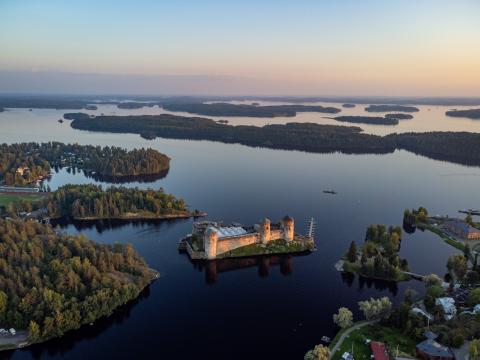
(347, 332)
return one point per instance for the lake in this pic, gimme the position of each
(255, 308)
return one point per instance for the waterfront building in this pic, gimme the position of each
(462, 229)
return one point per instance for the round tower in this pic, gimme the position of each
(288, 228)
(210, 238)
(265, 234)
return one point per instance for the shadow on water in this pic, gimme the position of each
(61, 346)
(114, 179)
(264, 263)
(368, 283)
(111, 224)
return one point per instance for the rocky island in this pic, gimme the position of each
(211, 240)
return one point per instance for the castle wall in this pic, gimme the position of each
(276, 234)
(228, 244)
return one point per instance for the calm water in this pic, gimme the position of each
(257, 308)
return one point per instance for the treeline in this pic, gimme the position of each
(24, 163)
(227, 109)
(457, 147)
(373, 120)
(390, 108)
(470, 113)
(94, 202)
(51, 283)
(378, 256)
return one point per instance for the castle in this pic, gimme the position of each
(209, 239)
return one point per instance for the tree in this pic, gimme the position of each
(409, 295)
(344, 318)
(352, 252)
(375, 308)
(320, 352)
(474, 350)
(458, 341)
(474, 297)
(34, 334)
(3, 305)
(432, 279)
(469, 219)
(458, 265)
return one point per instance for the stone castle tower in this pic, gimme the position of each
(287, 227)
(265, 234)
(210, 242)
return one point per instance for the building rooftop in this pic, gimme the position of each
(463, 226)
(379, 350)
(432, 348)
(228, 231)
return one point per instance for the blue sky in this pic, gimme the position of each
(337, 46)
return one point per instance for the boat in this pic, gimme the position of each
(326, 339)
(328, 191)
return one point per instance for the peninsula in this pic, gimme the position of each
(469, 114)
(211, 240)
(26, 163)
(227, 109)
(51, 283)
(457, 147)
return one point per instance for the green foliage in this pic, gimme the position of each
(375, 308)
(344, 318)
(320, 352)
(474, 297)
(59, 282)
(110, 161)
(458, 265)
(474, 349)
(92, 201)
(414, 217)
(458, 341)
(352, 252)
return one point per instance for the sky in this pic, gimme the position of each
(269, 47)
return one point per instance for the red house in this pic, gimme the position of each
(379, 351)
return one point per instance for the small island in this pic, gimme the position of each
(390, 108)
(378, 258)
(211, 240)
(372, 120)
(348, 106)
(134, 105)
(51, 283)
(469, 114)
(399, 116)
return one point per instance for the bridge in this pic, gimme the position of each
(414, 275)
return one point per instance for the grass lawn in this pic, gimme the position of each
(445, 237)
(389, 336)
(6, 199)
(272, 247)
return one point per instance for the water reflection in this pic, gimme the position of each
(114, 179)
(369, 283)
(264, 264)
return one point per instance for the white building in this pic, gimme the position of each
(448, 305)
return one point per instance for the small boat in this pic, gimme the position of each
(326, 339)
(60, 121)
(333, 192)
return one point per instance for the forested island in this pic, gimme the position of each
(134, 105)
(469, 114)
(372, 120)
(348, 106)
(457, 147)
(391, 108)
(24, 163)
(45, 102)
(92, 202)
(51, 283)
(227, 109)
(378, 257)
(399, 116)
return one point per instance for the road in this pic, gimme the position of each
(347, 332)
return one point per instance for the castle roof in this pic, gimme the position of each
(288, 218)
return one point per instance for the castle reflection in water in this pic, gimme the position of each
(264, 264)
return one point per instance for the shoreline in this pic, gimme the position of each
(23, 342)
(132, 217)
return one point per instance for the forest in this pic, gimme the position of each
(469, 114)
(378, 256)
(93, 202)
(457, 147)
(51, 282)
(390, 108)
(373, 120)
(227, 109)
(24, 163)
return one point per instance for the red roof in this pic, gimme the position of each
(379, 351)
